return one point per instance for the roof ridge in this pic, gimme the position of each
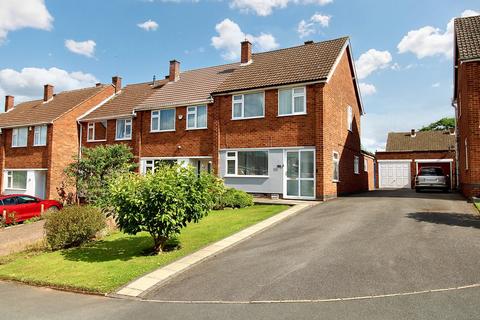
(302, 45)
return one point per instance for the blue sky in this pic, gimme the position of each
(402, 48)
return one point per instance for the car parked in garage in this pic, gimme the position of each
(432, 178)
(21, 207)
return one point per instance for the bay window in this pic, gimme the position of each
(291, 101)
(19, 137)
(247, 163)
(245, 106)
(163, 120)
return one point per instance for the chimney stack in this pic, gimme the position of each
(117, 83)
(246, 56)
(47, 92)
(174, 71)
(9, 103)
(413, 133)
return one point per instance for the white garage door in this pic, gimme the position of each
(393, 174)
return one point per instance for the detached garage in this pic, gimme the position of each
(407, 152)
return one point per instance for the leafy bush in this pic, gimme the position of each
(92, 172)
(162, 203)
(72, 226)
(233, 198)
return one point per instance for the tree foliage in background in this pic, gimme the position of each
(97, 166)
(162, 203)
(440, 125)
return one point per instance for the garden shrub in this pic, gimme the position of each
(72, 226)
(233, 198)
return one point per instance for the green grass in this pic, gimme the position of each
(106, 265)
(477, 204)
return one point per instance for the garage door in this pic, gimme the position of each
(393, 174)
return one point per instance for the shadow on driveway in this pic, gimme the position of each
(448, 218)
(411, 194)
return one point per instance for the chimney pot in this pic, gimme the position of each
(117, 83)
(246, 55)
(413, 133)
(174, 70)
(98, 84)
(9, 103)
(308, 42)
(47, 92)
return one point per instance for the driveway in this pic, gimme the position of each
(19, 237)
(383, 242)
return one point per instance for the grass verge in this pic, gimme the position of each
(105, 265)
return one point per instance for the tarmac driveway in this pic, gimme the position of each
(382, 242)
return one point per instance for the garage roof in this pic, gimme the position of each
(421, 141)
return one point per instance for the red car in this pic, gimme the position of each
(22, 207)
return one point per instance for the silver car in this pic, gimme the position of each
(432, 178)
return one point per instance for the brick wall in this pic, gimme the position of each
(468, 124)
(414, 156)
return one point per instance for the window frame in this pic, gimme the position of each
(356, 164)
(243, 105)
(365, 164)
(91, 125)
(125, 137)
(466, 154)
(336, 164)
(159, 116)
(350, 118)
(195, 113)
(15, 136)
(235, 159)
(9, 180)
(292, 89)
(41, 144)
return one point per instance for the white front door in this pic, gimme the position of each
(299, 174)
(394, 174)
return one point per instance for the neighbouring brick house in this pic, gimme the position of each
(407, 152)
(283, 122)
(466, 100)
(39, 138)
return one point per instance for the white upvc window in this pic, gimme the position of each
(247, 163)
(40, 136)
(292, 101)
(16, 180)
(248, 106)
(163, 120)
(349, 118)
(91, 131)
(97, 131)
(124, 129)
(20, 137)
(197, 117)
(356, 164)
(365, 164)
(336, 166)
(466, 154)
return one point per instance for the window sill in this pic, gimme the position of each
(97, 140)
(336, 181)
(123, 139)
(160, 131)
(16, 189)
(19, 146)
(240, 176)
(40, 145)
(193, 129)
(259, 117)
(292, 115)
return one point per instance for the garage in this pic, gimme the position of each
(394, 174)
(445, 164)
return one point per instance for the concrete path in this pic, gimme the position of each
(17, 238)
(374, 244)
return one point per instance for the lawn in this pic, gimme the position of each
(477, 204)
(106, 265)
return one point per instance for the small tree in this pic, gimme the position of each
(92, 172)
(162, 203)
(442, 124)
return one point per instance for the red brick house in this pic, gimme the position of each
(39, 138)
(283, 122)
(407, 152)
(466, 100)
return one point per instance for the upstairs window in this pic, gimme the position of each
(163, 120)
(291, 101)
(40, 136)
(356, 164)
(197, 117)
(336, 166)
(19, 137)
(349, 118)
(97, 131)
(251, 105)
(124, 129)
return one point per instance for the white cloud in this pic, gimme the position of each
(148, 25)
(436, 85)
(367, 89)
(85, 48)
(430, 41)
(28, 14)
(371, 61)
(28, 83)
(265, 7)
(230, 35)
(306, 28)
